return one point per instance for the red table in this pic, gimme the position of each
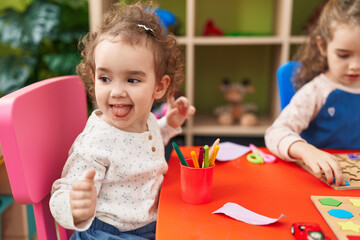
(267, 189)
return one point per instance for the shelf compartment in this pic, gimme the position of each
(206, 124)
(236, 17)
(213, 64)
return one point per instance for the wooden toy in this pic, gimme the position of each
(350, 164)
(345, 225)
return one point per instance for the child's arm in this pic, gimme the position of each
(178, 111)
(286, 129)
(318, 161)
(83, 198)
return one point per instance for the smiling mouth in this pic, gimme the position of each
(353, 76)
(120, 110)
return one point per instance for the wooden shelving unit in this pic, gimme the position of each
(277, 46)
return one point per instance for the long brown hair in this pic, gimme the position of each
(312, 61)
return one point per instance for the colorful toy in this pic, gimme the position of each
(210, 29)
(349, 163)
(160, 111)
(236, 112)
(268, 158)
(168, 19)
(307, 231)
(343, 218)
(257, 156)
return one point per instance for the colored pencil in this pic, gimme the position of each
(206, 156)
(217, 141)
(195, 160)
(213, 155)
(201, 156)
(180, 155)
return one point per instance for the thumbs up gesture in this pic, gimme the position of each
(83, 197)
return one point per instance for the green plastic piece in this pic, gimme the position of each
(330, 202)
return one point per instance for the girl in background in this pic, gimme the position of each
(325, 111)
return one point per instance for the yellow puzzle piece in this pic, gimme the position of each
(355, 202)
(349, 226)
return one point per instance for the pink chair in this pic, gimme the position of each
(38, 124)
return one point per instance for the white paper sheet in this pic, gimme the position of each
(230, 151)
(240, 213)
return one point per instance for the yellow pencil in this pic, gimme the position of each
(195, 160)
(217, 141)
(213, 155)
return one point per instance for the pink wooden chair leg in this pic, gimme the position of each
(64, 233)
(45, 225)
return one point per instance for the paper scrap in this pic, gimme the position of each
(230, 151)
(240, 213)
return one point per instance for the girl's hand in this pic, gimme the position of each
(178, 111)
(318, 161)
(83, 197)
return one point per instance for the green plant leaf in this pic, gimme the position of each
(68, 22)
(28, 29)
(62, 64)
(75, 5)
(71, 37)
(15, 72)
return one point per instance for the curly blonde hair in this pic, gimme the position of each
(312, 61)
(122, 20)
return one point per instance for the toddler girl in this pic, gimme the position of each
(110, 183)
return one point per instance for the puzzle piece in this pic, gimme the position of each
(355, 202)
(346, 183)
(330, 202)
(354, 155)
(349, 226)
(350, 168)
(350, 237)
(340, 213)
(340, 227)
(350, 163)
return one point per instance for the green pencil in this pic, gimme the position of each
(206, 156)
(178, 152)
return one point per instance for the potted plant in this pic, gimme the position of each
(40, 42)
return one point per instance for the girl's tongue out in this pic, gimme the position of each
(121, 110)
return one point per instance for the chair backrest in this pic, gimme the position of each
(284, 75)
(38, 124)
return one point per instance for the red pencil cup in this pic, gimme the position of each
(196, 183)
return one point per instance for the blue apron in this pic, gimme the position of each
(337, 124)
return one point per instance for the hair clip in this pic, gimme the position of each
(146, 28)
